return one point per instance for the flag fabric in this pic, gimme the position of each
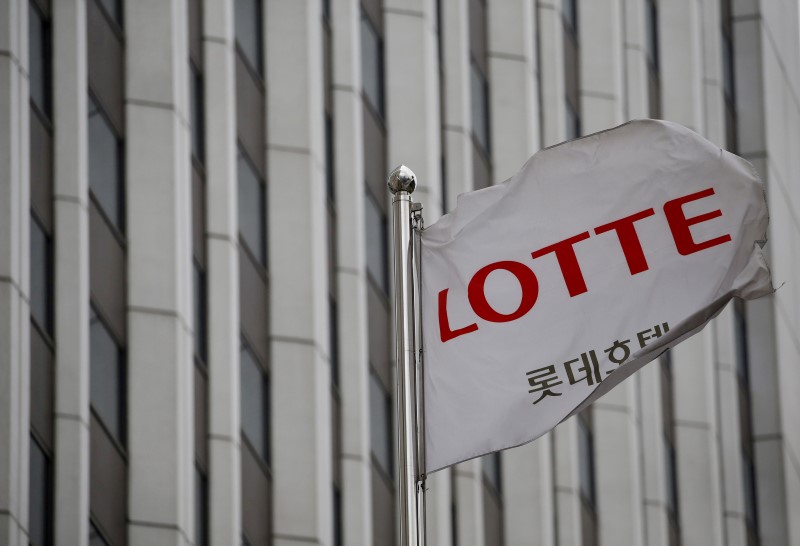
(542, 293)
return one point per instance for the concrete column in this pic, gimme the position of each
(222, 277)
(457, 114)
(600, 28)
(727, 380)
(696, 434)
(351, 273)
(14, 284)
(618, 464)
(513, 79)
(71, 257)
(412, 96)
(468, 479)
(681, 63)
(552, 85)
(160, 351)
(300, 370)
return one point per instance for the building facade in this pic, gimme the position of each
(195, 310)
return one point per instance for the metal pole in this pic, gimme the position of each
(411, 499)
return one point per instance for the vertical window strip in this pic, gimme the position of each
(107, 378)
(40, 60)
(40, 496)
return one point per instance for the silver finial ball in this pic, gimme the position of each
(402, 179)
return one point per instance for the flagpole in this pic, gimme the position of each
(411, 488)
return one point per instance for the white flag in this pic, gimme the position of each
(542, 293)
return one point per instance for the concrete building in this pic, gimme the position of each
(195, 325)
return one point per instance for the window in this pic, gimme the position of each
(380, 424)
(569, 10)
(107, 389)
(95, 538)
(672, 478)
(248, 33)
(200, 508)
(651, 12)
(338, 538)
(586, 461)
(39, 58)
(113, 9)
(492, 470)
(40, 497)
(197, 103)
(41, 277)
(573, 129)
(377, 257)
(750, 499)
(479, 91)
(372, 65)
(333, 333)
(105, 166)
(330, 180)
(255, 403)
(200, 314)
(727, 66)
(326, 9)
(252, 209)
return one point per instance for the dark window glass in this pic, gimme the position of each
(750, 499)
(672, 478)
(326, 9)
(41, 277)
(95, 538)
(105, 166)
(200, 508)
(372, 65)
(200, 314)
(570, 12)
(114, 10)
(248, 33)
(586, 461)
(727, 66)
(480, 106)
(380, 424)
(377, 258)
(740, 327)
(333, 324)
(330, 179)
(40, 497)
(197, 103)
(492, 470)
(107, 378)
(573, 122)
(337, 517)
(651, 12)
(39, 57)
(255, 403)
(252, 215)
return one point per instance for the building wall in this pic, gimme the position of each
(195, 310)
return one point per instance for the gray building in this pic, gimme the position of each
(195, 322)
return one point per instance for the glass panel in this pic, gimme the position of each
(491, 470)
(740, 328)
(40, 496)
(200, 508)
(248, 32)
(105, 166)
(480, 106)
(252, 220)
(750, 493)
(377, 257)
(337, 517)
(586, 461)
(41, 277)
(727, 66)
(197, 102)
(107, 389)
(372, 64)
(95, 539)
(570, 11)
(114, 10)
(255, 404)
(672, 478)
(200, 311)
(380, 424)
(573, 129)
(333, 324)
(329, 165)
(39, 55)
